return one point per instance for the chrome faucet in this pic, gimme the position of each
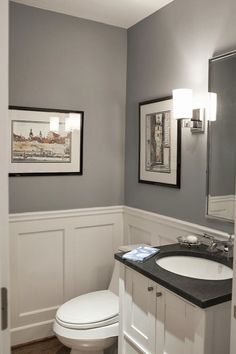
(225, 246)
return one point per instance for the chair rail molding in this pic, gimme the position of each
(155, 229)
(69, 213)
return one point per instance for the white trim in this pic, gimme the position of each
(34, 331)
(149, 216)
(173, 222)
(221, 206)
(38, 311)
(133, 342)
(58, 214)
(230, 197)
(31, 325)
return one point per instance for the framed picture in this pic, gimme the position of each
(159, 143)
(45, 141)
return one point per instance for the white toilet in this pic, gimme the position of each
(88, 324)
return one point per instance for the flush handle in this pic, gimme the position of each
(150, 288)
(158, 294)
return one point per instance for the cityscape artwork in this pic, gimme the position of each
(45, 141)
(35, 142)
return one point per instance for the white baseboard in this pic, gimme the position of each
(31, 332)
(58, 255)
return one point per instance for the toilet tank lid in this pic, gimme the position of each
(89, 308)
(127, 248)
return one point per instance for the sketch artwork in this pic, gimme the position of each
(158, 142)
(34, 142)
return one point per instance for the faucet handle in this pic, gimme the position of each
(208, 237)
(228, 243)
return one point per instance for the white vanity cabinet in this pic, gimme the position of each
(154, 320)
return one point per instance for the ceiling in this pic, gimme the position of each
(121, 13)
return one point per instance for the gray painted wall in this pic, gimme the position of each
(58, 61)
(168, 50)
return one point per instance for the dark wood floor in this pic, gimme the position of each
(49, 346)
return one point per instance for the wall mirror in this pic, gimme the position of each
(222, 139)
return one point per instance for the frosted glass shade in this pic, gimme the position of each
(54, 124)
(182, 103)
(73, 122)
(211, 106)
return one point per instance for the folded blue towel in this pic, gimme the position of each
(141, 253)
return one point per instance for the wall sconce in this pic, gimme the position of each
(211, 106)
(193, 118)
(183, 103)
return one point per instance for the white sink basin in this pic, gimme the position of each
(195, 267)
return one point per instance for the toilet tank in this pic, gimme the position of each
(114, 283)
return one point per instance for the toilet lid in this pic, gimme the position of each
(92, 310)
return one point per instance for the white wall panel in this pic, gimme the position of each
(93, 257)
(145, 227)
(40, 270)
(139, 235)
(58, 255)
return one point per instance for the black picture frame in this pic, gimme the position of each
(79, 170)
(158, 177)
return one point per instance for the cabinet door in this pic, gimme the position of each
(174, 325)
(140, 309)
(179, 327)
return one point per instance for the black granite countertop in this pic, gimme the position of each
(203, 293)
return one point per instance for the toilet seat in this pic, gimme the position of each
(92, 310)
(86, 334)
(104, 323)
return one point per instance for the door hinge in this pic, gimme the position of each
(235, 312)
(4, 308)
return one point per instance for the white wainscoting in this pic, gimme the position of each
(145, 227)
(221, 206)
(58, 255)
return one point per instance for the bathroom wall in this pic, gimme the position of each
(170, 49)
(59, 61)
